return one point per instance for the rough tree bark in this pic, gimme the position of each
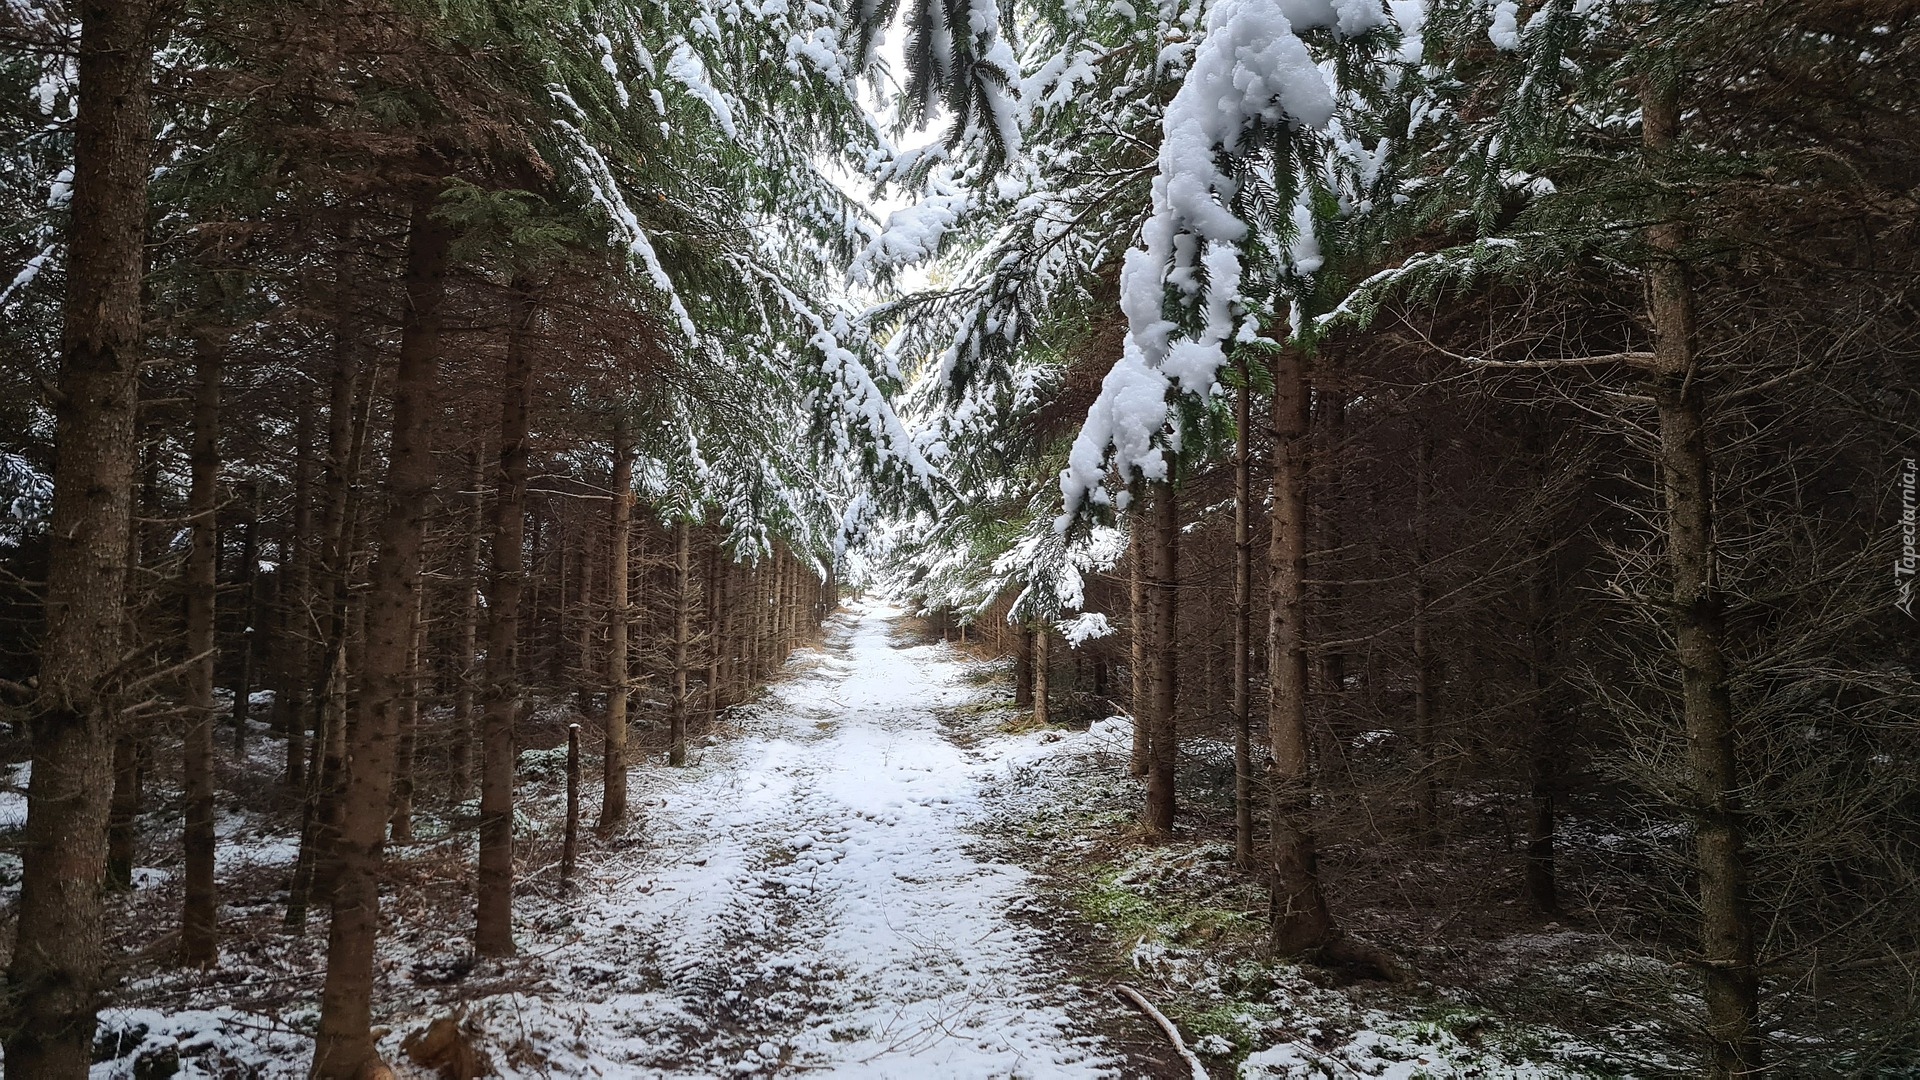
(493, 923)
(1041, 664)
(1698, 608)
(1242, 620)
(55, 975)
(1298, 913)
(1162, 573)
(613, 759)
(344, 1046)
(200, 901)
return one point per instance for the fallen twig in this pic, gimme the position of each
(1173, 1033)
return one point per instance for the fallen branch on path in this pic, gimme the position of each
(1173, 1033)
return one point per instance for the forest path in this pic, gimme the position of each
(810, 897)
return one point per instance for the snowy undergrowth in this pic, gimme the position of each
(1179, 922)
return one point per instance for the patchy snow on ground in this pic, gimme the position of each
(809, 898)
(811, 894)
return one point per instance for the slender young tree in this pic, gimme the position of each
(1242, 703)
(493, 921)
(200, 901)
(466, 673)
(1162, 577)
(247, 599)
(613, 798)
(1698, 608)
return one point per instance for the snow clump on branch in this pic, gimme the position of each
(1250, 72)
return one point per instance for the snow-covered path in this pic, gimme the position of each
(805, 899)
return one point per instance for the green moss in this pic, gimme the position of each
(1134, 910)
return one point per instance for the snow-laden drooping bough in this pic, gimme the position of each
(1204, 171)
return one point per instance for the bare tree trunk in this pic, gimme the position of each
(460, 752)
(293, 646)
(1242, 621)
(570, 842)
(248, 602)
(348, 407)
(1163, 658)
(613, 760)
(1426, 784)
(55, 975)
(344, 1046)
(198, 944)
(131, 749)
(1041, 662)
(493, 929)
(400, 821)
(1298, 912)
(1732, 989)
(1138, 637)
(124, 812)
(682, 635)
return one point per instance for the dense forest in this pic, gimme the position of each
(1465, 450)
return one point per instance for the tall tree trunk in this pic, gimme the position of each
(248, 601)
(1138, 638)
(1242, 621)
(1330, 431)
(682, 642)
(613, 759)
(460, 751)
(129, 773)
(1732, 987)
(344, 1046)
(1426, 784)
(130, 747)
(400, 821)
(1041, 663)
(349, 406)
(493, 924)
(198, 945)
(54, 978)
(1298, 911)
(1163, 659)
(293, 646)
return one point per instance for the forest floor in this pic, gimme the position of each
(877, 869)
